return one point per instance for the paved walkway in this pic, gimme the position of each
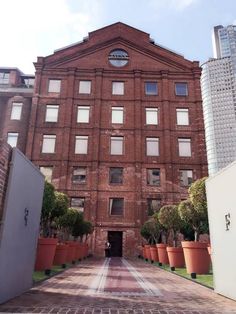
(119, 286)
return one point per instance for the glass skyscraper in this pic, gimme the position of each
(218, 84)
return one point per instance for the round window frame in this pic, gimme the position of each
(112, 59)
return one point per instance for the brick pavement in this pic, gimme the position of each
(91, 288)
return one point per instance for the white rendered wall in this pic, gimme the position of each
(221, 198)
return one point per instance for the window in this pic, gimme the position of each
(117, 115)
(152, 146)
(54, 86)
(182, 116)
(49, 142)
(152, 116)
(4, 78)
(117, 145)
(29, 82)
(79, 175)
(47, 172)
(153, 177)
(151, 88)
(16, 111)
(118, 88)
(51, 113)
(83, 114)
(116, 175)
(12, 139)
(116, 206)
(84, 87)
(81, 144)
(181, 89)
(118, 57)
(78, 203)
(153, 206)
(186, 177)
(184, 147)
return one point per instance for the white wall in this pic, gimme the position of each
(221, 198)
(20, 226)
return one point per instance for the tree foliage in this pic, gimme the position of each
(151, 230)
(197, 195)
(169, 218)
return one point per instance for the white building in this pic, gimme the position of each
(218, 84)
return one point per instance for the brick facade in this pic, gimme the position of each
(88, 61)
(5, 155)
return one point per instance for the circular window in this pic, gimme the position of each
(118, 57)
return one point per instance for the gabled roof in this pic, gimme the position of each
(108, 35)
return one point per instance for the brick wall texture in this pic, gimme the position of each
(89, 61)
(5, 155)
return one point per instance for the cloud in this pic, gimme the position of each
(34, 28)
(175, 5)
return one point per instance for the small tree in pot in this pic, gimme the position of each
(151, 231)
(54, 205)
(170, 219)
(194, 212)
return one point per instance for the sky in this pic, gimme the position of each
(31, 28)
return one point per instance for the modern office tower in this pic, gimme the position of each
(219, 99)
(116, 122)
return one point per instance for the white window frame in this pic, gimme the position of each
(151, 116)
(115, 149)
(49, 117)
(118, 88)
(81, 144)
(186, 177)
(117, 115)
(150, 150)
(179, 94)
(78, 208)
(49, 144)
(54, 86)
(85, 87)
(147, 93)
(83, 113)
(184, 145)
(182, 116)
(12, 138)
(16, 110)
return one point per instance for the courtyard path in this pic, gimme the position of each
(119, 286)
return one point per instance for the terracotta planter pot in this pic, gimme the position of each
(45, 253)
(209, 251)
(176, 256)
(162, 253)
(196, 257)
(71, 252)
(147, 251)
(79, 252)
(61, 254)
(144, 252)
(85, 249)
(154, 253)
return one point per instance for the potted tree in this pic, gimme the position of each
(161, 247)
(66, 225)
(194, 212)
(151, 232)
(61, 207)
(47, 242)
(80, 229)
(169, 217)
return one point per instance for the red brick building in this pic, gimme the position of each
(116, 122)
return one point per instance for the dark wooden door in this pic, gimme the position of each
(115, 239)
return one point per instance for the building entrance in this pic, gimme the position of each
(115, 239)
